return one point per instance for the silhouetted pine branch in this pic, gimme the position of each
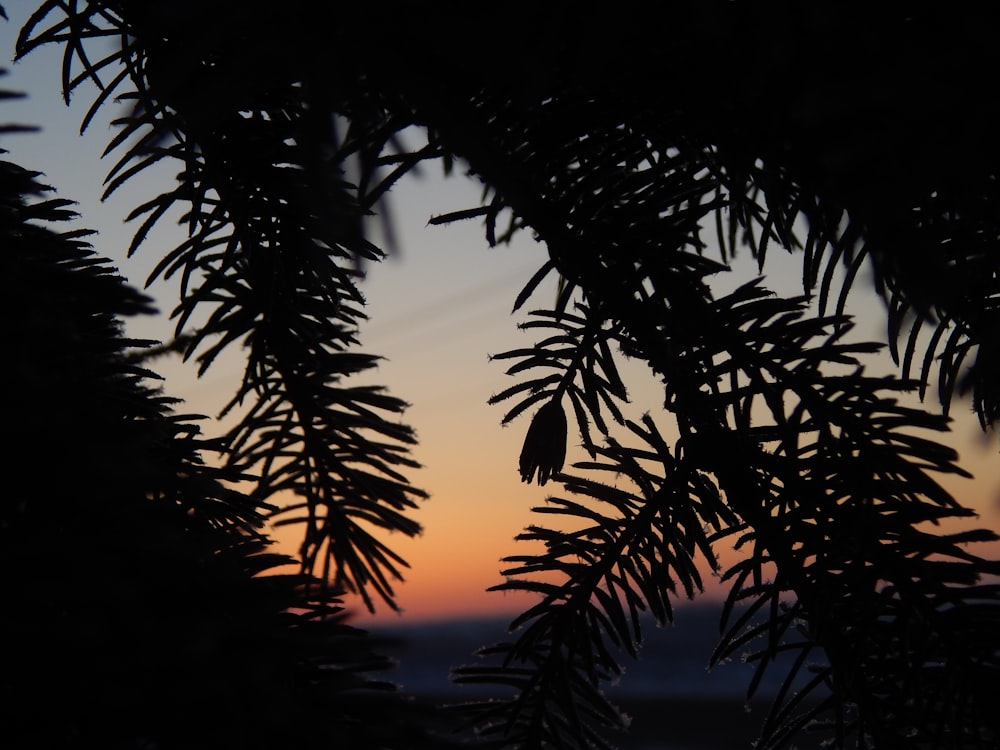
(270, 264)
(141, 606)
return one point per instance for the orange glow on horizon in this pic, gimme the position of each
(470, 526)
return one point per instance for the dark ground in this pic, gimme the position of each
(674, 701)
(694, 724)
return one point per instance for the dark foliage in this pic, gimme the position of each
(849, 138)
(141, 606)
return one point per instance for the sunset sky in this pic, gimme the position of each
(438, 310)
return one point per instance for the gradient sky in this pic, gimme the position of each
(438, 310)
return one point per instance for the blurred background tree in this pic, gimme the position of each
(856, 141)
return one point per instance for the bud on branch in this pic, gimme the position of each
(545, 444)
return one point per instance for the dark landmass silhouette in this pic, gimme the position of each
(675, 702)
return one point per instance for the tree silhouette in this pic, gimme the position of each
(851, 139)
(141, 605)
